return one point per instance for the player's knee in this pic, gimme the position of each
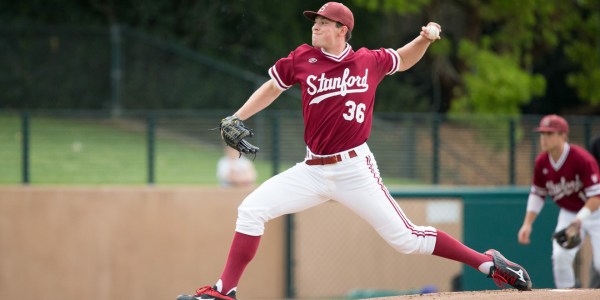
(250, 220)
(562, 259)
(406, 241)
(412, 245)
(405, 248)
(596, 264)
(412, 248)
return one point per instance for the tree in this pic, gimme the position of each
(542, 54)
(497, 46)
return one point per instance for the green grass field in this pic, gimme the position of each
(97, 152)
(102, 151)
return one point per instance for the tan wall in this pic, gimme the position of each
(156, 242)
(125, 243)
(348, 254)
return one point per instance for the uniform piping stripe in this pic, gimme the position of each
(403, 216)
(592, 191)
(391, 200)
(561, 160)
(539, 191)
(273, 73)
(340, 57)
(395, 61)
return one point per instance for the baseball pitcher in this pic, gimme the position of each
(338, 87)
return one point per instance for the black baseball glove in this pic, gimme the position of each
(234, 133)
(568, 237)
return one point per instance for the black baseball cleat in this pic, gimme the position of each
(505, 272)
(208, 293)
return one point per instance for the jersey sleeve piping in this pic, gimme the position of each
(540, 191)
(395, 61)
(278, 82)
(592, 191)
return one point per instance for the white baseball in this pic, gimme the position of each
(432, 32)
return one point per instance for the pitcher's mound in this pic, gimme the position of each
(541, 294)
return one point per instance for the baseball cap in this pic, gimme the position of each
(553, 123)
(334, 11)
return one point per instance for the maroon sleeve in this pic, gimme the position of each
(388, 60)
(538, 184)
(590, 176)
(283, 72)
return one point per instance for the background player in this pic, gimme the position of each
(235, 171)
(338, 93)
(569, 175)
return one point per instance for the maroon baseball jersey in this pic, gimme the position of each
(338, 92)
(570, 181)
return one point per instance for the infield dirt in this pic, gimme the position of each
(546, 294)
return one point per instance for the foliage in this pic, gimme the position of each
(584, 51)
(398, 6)
(519, 35)
(555, 39)
(534, 28)
(495, 84)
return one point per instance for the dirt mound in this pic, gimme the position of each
(545, 294)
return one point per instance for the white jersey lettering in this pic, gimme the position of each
(564, 187)
(340, 85)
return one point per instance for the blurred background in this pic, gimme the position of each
(83, 74)
(123, 94)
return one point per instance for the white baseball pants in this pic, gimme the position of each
(353, 182)
(562, 259)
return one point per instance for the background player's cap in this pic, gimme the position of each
(553, 123)
(334, 11)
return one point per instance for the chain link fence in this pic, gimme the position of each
(119, 78)
(116, 68)
(179, 147)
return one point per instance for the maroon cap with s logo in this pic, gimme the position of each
(553, 123)
(335, 11)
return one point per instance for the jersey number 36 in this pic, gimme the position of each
(355, 111)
